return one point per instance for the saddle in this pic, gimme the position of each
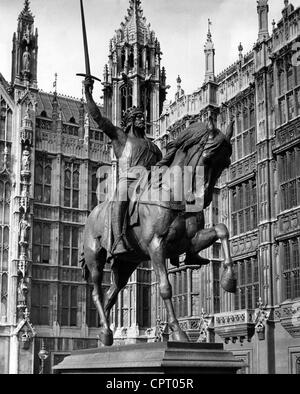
(140, 195)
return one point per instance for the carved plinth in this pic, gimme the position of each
(161, 358)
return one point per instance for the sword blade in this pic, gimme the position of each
(85, 43)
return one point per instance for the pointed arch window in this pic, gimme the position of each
(247, 294)
(141, 57)
(131, 58)
(146, 104)
(291, 268)
(70, 246)
(290, 78)
(246, 118)
(123, 58)
(281, 82)
(126, 97)
(94, 190)
(41, 243)
(244, 207)
(68, 305)
(42, 187)
(4, 296)
(40, 298)
(71, 190)
(252, 116)
(3, 114)
(4, 246)
(4, 201)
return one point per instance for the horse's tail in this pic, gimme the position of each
(84, 268)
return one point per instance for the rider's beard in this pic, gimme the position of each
(139, 129)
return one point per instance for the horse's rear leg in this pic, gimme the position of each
(157, 255)
(96, 264)
(207, 237)
(121, 272)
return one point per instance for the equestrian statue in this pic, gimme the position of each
(133, 227)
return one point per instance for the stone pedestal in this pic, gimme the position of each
(152, 358)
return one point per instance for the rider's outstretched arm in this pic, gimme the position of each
(104, 124)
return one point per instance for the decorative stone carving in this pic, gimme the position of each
(288, 222)
(206, 327)
(26, 60)
(25, 331)
(239, 325)
(26, 129)
(289, 315)
(22, 293)
(161, 331)
(26, 161)
(24, 230)
(261, 318)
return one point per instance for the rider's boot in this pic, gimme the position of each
(118, 218)
(195, 259)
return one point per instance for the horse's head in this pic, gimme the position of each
(216, 156)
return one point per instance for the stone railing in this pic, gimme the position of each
(237, 325)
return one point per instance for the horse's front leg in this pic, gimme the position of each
(157, 255)
(206, 238)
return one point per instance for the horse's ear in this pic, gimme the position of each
(230, 130)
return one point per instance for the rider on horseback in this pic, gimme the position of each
(133, 150)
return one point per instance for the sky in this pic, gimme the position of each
(180, 26)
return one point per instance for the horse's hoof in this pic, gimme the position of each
(179, 336)
(228, 280)
(106, 336)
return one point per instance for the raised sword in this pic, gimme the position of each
(86, 49)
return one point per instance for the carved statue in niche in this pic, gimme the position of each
(26, 160)
(26, 35)
(87, 120)
(24, 230)
(26, 60)
(22, 292)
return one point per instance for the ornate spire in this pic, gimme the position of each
(209, 43)
(209, 32)
(209, 51)
(26, 12)
(55, 84)
(263, 19)
(180, 91)
(25, 49)
(240, 49)
(135, 27)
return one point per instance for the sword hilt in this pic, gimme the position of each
(90, 76)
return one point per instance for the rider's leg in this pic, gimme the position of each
(118, 216)
(193, 223)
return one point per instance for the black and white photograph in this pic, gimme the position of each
(150, 190)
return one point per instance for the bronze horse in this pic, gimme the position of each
(162, 232)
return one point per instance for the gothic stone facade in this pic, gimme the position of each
(257, 198)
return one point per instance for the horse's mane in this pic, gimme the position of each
(194, 135)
